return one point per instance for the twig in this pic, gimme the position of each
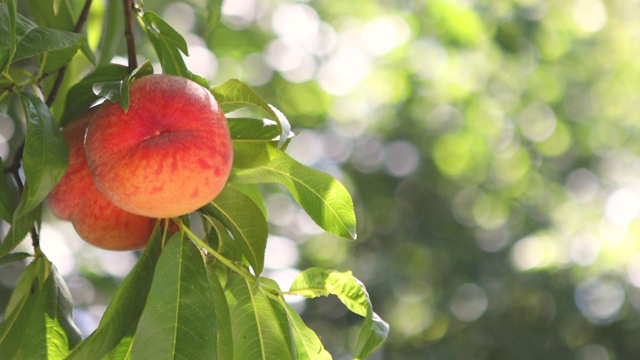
(84, 15)
(56, 85)
(128, 34)
(35, 237)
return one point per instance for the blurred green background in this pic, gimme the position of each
(490, 146)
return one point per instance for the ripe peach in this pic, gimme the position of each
(76, 198)
(168, 155)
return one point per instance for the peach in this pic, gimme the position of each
(76, 198)
(168, 155)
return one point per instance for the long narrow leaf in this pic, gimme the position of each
(20, 227)
(315, 282)
(179, 321)
(39, 323)
(234, 94)
(308, 344)
(223, 317)
(257, 333)
(246, 222)
(7, 203)
(46, 153)
(323, 197)
(8, 37)
(125, 307)
(81, 95)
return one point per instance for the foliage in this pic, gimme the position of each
(189, 296)
(489, 146)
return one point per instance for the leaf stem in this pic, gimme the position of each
(128, 34)
(245, 274)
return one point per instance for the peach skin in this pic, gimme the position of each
(168, 155)
(76, 198)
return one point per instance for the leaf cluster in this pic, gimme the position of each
(188, 296)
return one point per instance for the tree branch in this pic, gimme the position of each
(84, 15)
(128, 34)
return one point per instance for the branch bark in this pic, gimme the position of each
(128, 34)
(82, 19)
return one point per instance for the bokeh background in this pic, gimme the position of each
(491, 149)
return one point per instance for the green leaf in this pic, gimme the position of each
(168, 44)
(255, 141)
(81, 96)
(13, 257)
(308, 344)
(214, 10)
(125, 307)
(179, 320)
(59, 58)
(38, 322)
(247, 155)
(123, 349)
(18, 312)
(18, 301)
(109, 81)
(169, 34)
(253, 130)
(220, 240)
(7, 203)
(21, 38)
(315, 282)
(20, 227)
(234, 94)
(323, 197)
(112, 37)
(245, 221)
(253, 192)
(256, 323)
(42, 11)
(41, 40)
(56, 6)
(51, 333)
(8, 38)
(46, 153)
(142, 70)
(223, 316)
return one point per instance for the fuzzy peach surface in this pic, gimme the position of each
(170, 154)
(96, 219)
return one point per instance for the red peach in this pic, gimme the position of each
(76, 198)
(168, 155)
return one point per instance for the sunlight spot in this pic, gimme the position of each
(201, 61)
(533, 252)
(401, 158)
(633, 270)
(622, 207)
(280, 253)
(584, 249)
(239, 14)
(298, 21)
(537, 122)
(384, 34)
(582, 185)
(590, 15)
(469, 302)
(592, 352)
(57, 250)
(255, 70)
(180, 16)
(600, 299)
